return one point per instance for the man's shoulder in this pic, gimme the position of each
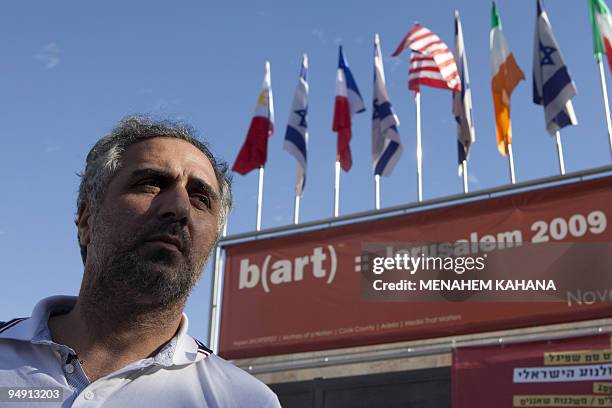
(229, 370)
(15, 348)
(233, 382)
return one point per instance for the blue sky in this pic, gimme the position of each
(70, 70)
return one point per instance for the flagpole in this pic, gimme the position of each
(259, 198)
(419, 151)
(337, 189)
(604, 91)
(464, 169)
(560, 153)
(377, 191)
(296, 209)
(511, 162)
(215, 294)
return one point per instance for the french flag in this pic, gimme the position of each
(348, 102)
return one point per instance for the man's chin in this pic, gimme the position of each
(151, 303)
(156, 286)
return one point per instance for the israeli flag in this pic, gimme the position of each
(386, 144)
(296, 137)
(462, 100)
(552, 86)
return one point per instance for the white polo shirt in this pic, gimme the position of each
(183, 374)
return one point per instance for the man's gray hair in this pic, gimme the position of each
(104, 159)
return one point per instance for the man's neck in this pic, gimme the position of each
(106, 340)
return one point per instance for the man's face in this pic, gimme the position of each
(156, 226)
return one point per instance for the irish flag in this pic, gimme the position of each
(506, 75)
(601, 21)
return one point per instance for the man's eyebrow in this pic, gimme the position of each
(206, 188)
(195, 182)
(149, 172)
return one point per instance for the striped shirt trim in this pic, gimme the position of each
(202, 348)
(7, 325)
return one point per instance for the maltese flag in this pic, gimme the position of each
(254, 151)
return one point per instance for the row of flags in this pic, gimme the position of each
(432, 64)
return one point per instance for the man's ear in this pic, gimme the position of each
(84, 225)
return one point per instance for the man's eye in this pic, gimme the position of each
(149, 184)
(202, 199)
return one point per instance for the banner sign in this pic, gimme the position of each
(305, 292)
(573, 372)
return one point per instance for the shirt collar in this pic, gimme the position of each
(32, 327)
(180, 350)
(188, 350)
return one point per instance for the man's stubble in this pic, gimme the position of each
(131, 281)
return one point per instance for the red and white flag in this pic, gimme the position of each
(431, 62)
(254, 151)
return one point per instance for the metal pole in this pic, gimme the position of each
(259, 198)
(465, 176)
(215, 296)
(296, 209)
(377, 191)
(337, 189)
(511, 163)
(604, 91)
(560, 153)
(287, 230)
(212, 329)
(432, 348)
(417, 100)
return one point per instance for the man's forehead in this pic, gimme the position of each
(174, 155)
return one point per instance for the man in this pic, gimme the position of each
(151, 205)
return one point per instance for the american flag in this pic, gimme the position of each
(431, 62)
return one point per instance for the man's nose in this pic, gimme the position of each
(174, 204)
